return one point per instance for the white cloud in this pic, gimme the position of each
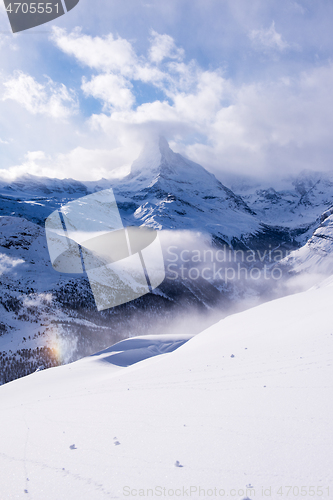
(193, 110)
(50, 99)
(117, 57)
(80, 163)
(104, 54)
(7, 43)
(162, 47)
(255, 127)
(191, 94)
(272, 127)
(114, 90)
(32, 156)
(268, 39)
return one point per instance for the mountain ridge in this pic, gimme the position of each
(164, 190)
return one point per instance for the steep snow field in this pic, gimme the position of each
(245, 405)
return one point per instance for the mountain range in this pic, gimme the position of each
(49, 318)
(167, 191)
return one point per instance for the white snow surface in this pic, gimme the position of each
(247, 403)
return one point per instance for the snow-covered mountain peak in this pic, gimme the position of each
(149, 159)
(165, 190)
(163, 144)
(156, 157)
(158, 160)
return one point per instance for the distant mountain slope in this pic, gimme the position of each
(34, 198)
(316, 256)
(296, 204)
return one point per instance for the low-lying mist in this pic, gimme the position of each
(203, 284)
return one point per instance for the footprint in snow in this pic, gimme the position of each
(115, 441)
(73, 447)
(178, 464)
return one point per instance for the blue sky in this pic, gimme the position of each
(239, 86)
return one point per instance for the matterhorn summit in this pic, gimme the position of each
(157, 160)
(153, 154)
(165, 190)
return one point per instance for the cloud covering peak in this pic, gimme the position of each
(250, 98)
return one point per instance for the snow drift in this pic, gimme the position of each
(243, 408)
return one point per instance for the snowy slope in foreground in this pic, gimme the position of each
(246, 403)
